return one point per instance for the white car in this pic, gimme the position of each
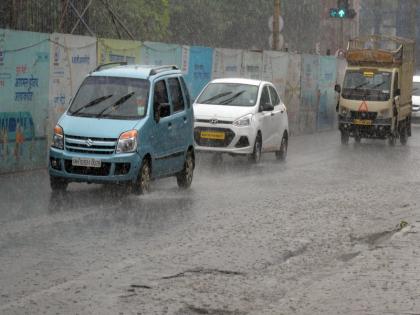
(415, 109)
(241, 117)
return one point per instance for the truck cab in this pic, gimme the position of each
(375, 98)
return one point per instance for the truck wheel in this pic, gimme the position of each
(58, 184)
(392, 140)
(142, 184)
(404, 134)
(344, 137)
(185, 177)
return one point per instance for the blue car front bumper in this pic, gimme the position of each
(115, 168)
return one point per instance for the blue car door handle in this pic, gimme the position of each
(169, 125)
(185, 119)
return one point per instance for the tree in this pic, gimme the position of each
(220, 23)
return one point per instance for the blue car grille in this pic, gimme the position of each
(90, 145)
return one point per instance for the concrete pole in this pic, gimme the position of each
(276, 26)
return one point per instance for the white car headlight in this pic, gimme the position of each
(243, 121)
(58, 138)
(127, 142)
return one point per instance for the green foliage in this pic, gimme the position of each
(220, 23)
(146, 20)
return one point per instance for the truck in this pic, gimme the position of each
(375, 98)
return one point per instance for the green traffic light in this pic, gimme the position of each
(333, 12)
(341, 13)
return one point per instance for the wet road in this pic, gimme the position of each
(314, 235)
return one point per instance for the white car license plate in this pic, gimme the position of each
(86, 162)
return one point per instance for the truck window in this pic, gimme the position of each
(395, 82)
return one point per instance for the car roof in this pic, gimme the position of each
(240, 81)
(416, 78)
(137, 71)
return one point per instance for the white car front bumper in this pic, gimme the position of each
(237, 140)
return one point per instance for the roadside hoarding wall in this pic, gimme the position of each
(327, 95)
(72, 58)
(40, 73)
(292, 92)
(199, 69)
(252, 64)
(310, 94)
(275, 66)
(158, 54)
(116, 50)
(24, 80)
(227, 63)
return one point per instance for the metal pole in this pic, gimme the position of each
(276, 26)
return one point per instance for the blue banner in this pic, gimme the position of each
(199, 69)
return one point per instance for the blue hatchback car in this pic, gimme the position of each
(126, 124)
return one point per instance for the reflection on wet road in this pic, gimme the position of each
(240, 239)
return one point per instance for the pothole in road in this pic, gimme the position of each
(194, 310)
(294, 253)
(204, 271)
(372, 240)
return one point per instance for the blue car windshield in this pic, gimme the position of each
(111, 97)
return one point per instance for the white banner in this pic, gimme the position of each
(275, 70)
(72, 58)
(252, 65)
(226, 63)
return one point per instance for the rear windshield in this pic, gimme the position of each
(230, 94)
(111, 97)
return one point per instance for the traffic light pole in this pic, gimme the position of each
(276, 26)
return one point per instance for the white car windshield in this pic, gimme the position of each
(230, 94)
(416, 88)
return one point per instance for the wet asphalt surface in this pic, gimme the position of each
(314, 235)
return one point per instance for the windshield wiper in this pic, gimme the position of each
(360, 85)
(118, 103)
(92, 103)
(226, 102)
(215, 97)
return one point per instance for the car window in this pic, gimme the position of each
(160, 96)
(265, 97)
(274, 96)
(186, 92)
(176, 95)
